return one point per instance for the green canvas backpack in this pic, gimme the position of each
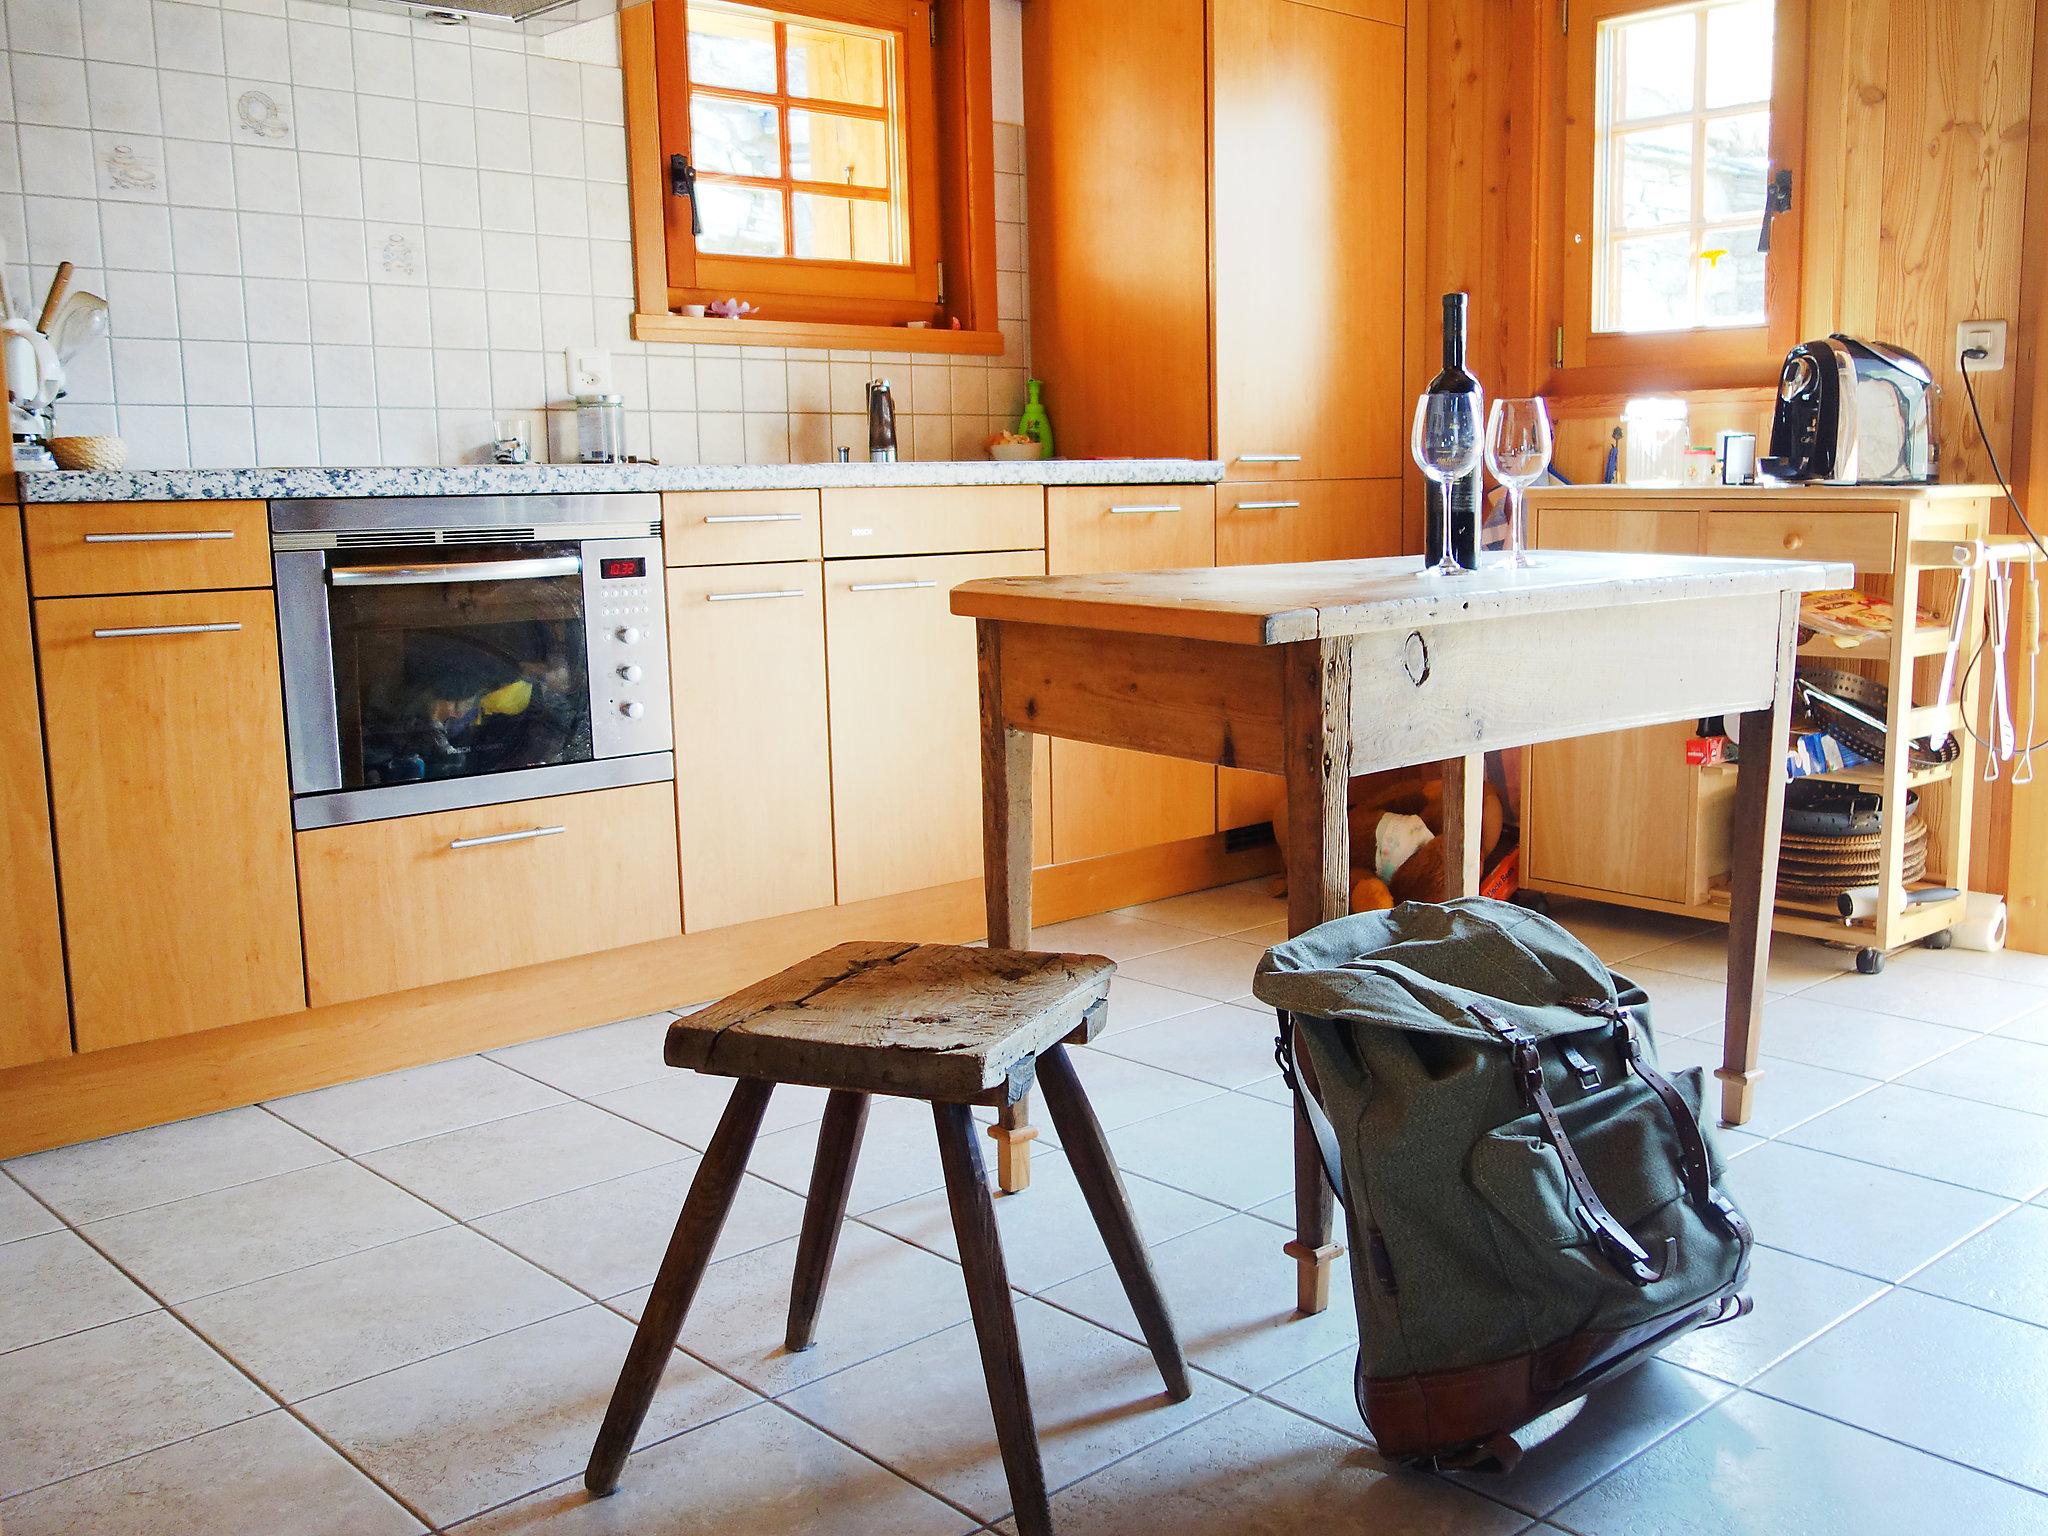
(1533, 1205)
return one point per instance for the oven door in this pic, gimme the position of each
(422, 679)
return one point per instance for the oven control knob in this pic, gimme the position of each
(632, 709)
(627, 635)
(630, 673)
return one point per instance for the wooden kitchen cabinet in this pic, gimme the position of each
(173, 812)
(420, 899)
(79, 549)
(34, 1022)
(753, 759)
(734, 527)
(905, 729)
(1105, 799)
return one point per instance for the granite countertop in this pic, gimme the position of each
(43, 485)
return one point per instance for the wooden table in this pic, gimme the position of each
(1322, 671)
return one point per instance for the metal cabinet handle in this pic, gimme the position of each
(889, 586)
(166, 629)
(507, 837)
(454, 571)
(1163, 506)
(1269, 458)
(160, 538)
(755, 517)
(752, 597)
(1266, 506)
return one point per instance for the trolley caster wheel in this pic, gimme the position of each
(1870, 961)
(1532, 901)
(1942, 940)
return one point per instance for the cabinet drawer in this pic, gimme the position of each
(1129, 527)
(934, 520)
(1284, 521)
(147, 546)
(406, 903)
(1862, 538)
(738, 527)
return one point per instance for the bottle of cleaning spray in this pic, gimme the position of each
(1034, 423)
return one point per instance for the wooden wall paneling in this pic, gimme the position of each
(35, 1022)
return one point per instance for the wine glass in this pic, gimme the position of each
(1445, 443)
(1517, 452)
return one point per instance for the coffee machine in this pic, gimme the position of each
(1853, 413)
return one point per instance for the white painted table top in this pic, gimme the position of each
(1277, 604)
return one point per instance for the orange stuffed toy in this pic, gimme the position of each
(1403, 792)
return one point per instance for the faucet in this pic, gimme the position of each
(881, 423)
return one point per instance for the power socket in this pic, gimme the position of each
(1987, 336)
(590, 370)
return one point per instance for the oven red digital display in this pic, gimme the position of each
(619, 568)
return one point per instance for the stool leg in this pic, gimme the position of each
(1315, 1248)
(846, 1116)
(995, 1319)
(1096, 1172)
(710, 1199)
(1014, 1133)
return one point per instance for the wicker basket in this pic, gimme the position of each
(105, 453)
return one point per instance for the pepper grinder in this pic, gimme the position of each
(881, 423)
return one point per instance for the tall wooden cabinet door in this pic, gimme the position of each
(906, 722)
(753, 766)
(1307, 210)
(1105, 799)
(173, 812)
(1117, 139)
(34, 1025)
(1611, 813)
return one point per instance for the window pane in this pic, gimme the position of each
(1738, 152)
(739, 221)
(1731, 285)
(1653, 283)
(852, 151)
(730, 50)
(737, 137)
(1656, 177)
(1656, 63)
(1739, 53)
(844, 229)
(838, 66)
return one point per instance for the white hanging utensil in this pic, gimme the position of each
(1998, 619)
(2030, 637)
(81, 320)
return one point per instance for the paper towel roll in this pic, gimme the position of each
(1983, 922)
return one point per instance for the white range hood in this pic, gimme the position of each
(518, 15)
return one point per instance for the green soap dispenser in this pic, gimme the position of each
(1034, 423)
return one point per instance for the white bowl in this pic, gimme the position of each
(1015, 453)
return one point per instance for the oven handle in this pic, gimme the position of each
(506, 837)
(460, 570)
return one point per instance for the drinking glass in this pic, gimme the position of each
(1445, 443)
(1517, 452)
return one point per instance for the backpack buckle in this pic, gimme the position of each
(1521, 1051)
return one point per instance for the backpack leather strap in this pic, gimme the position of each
(1311, 1112)
(1613, 1241)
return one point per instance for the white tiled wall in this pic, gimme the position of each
(337, 236)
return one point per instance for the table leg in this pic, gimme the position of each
(1764, 736)
(1464, 823)
(1006, 870)
(1316, 758)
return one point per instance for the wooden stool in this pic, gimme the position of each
(953, 1026)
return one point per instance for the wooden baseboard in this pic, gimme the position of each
(99, 1093)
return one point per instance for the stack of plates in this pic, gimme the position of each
(1820, 868)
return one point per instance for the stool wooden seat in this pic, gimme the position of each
(952, 1025)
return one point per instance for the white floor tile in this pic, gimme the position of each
(2003, 964)
(685, 1106)
(1620, 934)
(249, 1231)
(609, 1238)
(1218, 969)
(1133, 1004)
(2004, 1268)
(1947, 1378)
(594, 1061)
(1327, 1392)
(1117, 935)
(1759, 1468)
(1993, 1070)
(1956, 998)
(21, 1214)
(1681, 1004)
(468, 1430)
(322, 1327)
(81, 1401)
(1235, 1150)
(421, 1101)
(1802, 1028)
(56, 1284)
(1125, 1092)
(1796, 1299)
(1856, 1216)
(2028, 1026)
(1796, 963)
(2000, 1151)
(923, 1409)
(761, 1470)
(899, 1156)
(1223, 1044)
(259, 1477)
(502, 1163)
(1227, 909)
(165, 1163)
(1786, 1094)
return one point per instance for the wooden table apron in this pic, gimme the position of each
(1317, 710)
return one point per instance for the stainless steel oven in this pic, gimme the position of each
(469, 650)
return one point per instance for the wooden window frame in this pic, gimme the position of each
(950, 185)
(1701, 357)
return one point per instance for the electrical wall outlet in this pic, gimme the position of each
(1987, 336)
(590, 371)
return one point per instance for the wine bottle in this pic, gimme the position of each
(1464, 493)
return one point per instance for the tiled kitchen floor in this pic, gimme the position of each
(401, 1304)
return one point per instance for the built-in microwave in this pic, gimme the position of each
(443, 652)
